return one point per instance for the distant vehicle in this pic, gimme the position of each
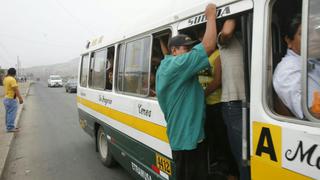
(71, 86)
(54, 81)
(38, 79)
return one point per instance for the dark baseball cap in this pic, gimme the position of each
(181, 40)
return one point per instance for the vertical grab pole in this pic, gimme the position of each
(246, 24)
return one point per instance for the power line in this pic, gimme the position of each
(74, 17)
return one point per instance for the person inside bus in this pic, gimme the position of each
(221, 160)
(287, 75)
(181, 99)
(109, 68)
(109, 78)
(233, 89)
(152, 89)
(163, 46)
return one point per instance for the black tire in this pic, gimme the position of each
(104, 149)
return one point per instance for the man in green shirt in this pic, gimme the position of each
(181, 99)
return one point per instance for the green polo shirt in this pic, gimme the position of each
(181, 97)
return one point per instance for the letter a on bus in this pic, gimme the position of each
(265, 144)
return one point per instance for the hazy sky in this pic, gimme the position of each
(45, 32)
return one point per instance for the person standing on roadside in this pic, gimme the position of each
(11, 91)
(182, 99)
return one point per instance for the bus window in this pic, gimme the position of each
(109, 68)
(283, 14)
(98, 71)
(84, 70)
(120, 68)
(313, 62)
(133, 69)
(159, 50)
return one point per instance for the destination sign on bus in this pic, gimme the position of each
(221, 12)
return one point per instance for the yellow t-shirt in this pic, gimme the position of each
(9, 83)
(205, 78)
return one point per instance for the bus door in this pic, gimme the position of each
(194, 27)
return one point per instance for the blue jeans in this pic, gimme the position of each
(232, 116)
(11, 108)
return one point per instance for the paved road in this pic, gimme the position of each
(51, 145)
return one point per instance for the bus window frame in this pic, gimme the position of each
(124, 61)
(92, 63)
(120, 48)
(304, 56)
(113, 70)
(167, 29)
(267, 58)
(81, 69)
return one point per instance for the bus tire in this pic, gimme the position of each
(104, 149)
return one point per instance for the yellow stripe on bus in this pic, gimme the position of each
(142, 125)
(264, 170)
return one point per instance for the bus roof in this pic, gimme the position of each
(135, 30)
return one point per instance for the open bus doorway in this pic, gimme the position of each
(222, 162)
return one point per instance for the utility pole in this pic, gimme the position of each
(18, 66)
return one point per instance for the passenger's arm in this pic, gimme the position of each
(227, 31)
(216, 83)
(210, 36)
(164, 48)
(17, 93)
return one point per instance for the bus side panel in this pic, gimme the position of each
(266, 161)
(87, 122)
(263, 170)
(137, 158)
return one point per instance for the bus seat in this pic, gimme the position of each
(279, 107)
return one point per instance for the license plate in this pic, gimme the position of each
(163, 164)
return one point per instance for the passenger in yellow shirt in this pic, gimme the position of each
(221, 160)
(10, 103)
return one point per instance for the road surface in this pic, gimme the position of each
(51, 145)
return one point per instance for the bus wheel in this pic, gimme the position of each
(103, 149)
